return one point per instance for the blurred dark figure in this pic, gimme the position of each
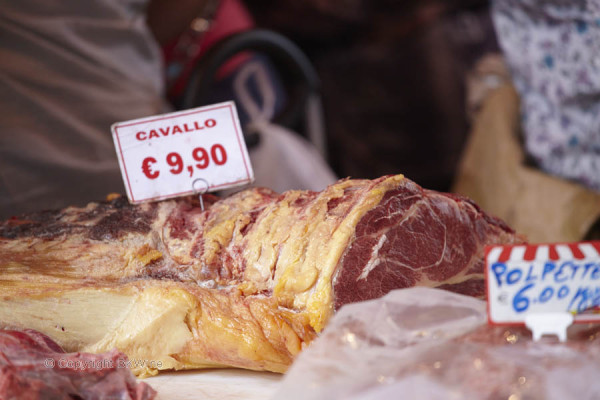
(393, 76)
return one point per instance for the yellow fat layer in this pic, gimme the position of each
(296, 255)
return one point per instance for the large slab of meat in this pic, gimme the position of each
(247, 283)
(33, 367)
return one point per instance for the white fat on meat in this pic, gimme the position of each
(374, 260)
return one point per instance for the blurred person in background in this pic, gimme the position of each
(533, 157)
(69, 70)
(553, 51)
(393, 78)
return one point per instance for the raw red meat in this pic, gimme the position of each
(418, 237)
(32, 366)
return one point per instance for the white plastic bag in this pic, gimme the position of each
(422, 343)
(283, 159)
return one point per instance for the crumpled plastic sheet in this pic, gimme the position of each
(423, 343)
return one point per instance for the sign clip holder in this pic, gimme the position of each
(200, 190)
(549, 323)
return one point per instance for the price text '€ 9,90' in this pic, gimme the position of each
(161, 155)
(202, 160)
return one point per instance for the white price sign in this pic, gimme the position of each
(182, 153)
(543, 279)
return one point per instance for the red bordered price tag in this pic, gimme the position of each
(543, 278)
(166, 156)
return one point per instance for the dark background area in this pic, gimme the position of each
(393, 78)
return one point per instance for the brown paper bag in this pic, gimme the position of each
(493, 173)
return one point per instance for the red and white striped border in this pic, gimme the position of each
(544, 252)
